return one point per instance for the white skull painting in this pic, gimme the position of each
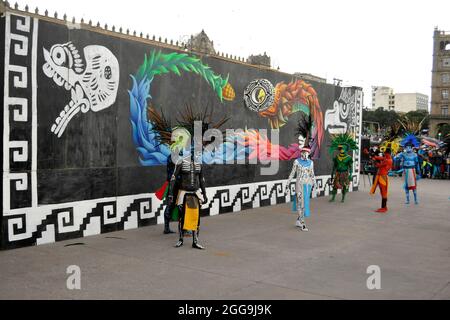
(92, 81)
(333, 122)
(337, 119)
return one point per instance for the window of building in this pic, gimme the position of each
(445, 77)
(444, 93)
(444, 110)
(446, 62)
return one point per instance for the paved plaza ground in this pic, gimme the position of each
(257, 254)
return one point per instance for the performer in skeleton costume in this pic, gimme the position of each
(303, 169)
(189, 168)
(341, 173)
(409, 164)
(186, 154)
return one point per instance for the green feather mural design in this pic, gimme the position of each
(159, 63)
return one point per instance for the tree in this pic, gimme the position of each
(444, 129)
(384, 117)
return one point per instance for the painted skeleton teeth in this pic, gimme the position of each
(90, 90)
(58, 80)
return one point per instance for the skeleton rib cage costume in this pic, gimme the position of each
(187, 178)
(303, 169)
(191, 182)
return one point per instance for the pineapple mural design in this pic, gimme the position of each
(228, 92)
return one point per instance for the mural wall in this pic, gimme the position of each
(79, 154)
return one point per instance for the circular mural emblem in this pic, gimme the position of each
(259, 95)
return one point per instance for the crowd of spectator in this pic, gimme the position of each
(434, 163)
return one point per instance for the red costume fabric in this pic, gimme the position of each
(161, 192)
(384, 164)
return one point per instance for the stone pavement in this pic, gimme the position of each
(257, 254)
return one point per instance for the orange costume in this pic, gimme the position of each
(384, 164)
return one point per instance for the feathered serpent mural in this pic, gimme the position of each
(296, 97)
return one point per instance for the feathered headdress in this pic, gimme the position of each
(410, 139)
(304, 129)
(394, 145)
(391, 139)
(342, 139)
(410, 125)
(163, 127)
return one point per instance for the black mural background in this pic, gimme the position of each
(96, 157)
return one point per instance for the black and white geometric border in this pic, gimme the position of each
(50, 223)
(19, 117)
(357, 129)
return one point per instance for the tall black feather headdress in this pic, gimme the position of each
(186, 119)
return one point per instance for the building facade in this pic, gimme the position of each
(440, 81)
(309, 77)
(406, 102)
(383, 97)
(201, 43)
(259, 60)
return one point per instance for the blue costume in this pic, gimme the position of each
(303, 169)
(409, 164)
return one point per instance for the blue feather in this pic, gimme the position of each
(410, 138)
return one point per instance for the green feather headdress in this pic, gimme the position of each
(342, 139)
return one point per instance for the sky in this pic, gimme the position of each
(364, 43)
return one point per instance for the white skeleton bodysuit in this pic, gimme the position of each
(303, 169)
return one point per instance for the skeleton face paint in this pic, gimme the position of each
(304, 154)
(181, 139)
(301, 141)
(93, 83)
